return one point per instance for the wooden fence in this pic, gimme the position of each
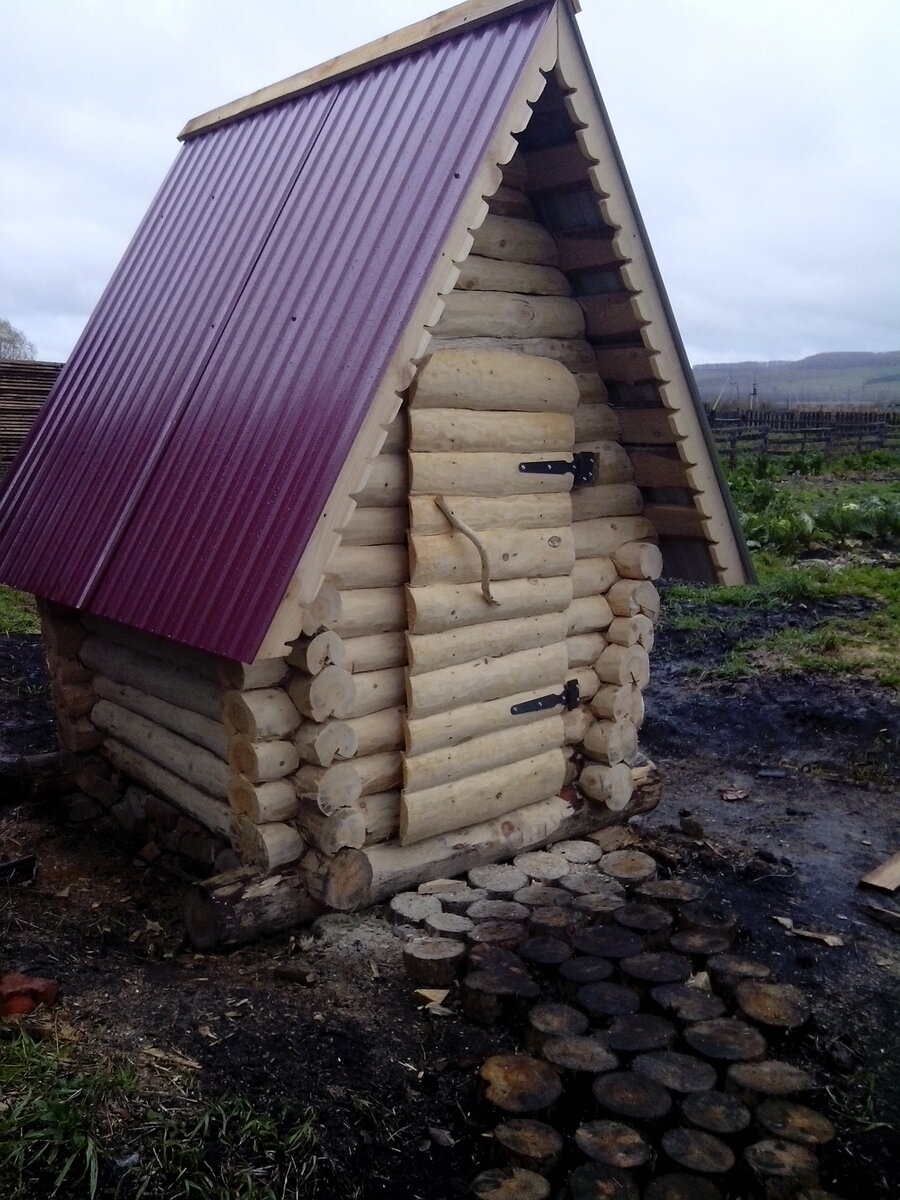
(24, 386)
(830, 432)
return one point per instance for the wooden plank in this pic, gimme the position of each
(625, 364)
(658, 470)
(581, 253)
(885, 877)
(646, 426)
(675, 520)
(608, 316)
(556, 167)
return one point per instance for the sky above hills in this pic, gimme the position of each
(760, 139)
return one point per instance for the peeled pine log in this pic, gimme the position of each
(381, 813)
(239, 907)
(378, 772)
(432, 651)
(342, 881)
(638, 560)
(588, 614)
(575, 354)
(244, 677)
(485, 474)
(324, 609)
(321, 744)
(493, 380)
(196, 662)
(477, 274)
(605, 535)
(624, 665)
(486, 679)
(606, 500)
(588, 681)
(440, 607)
(469, 313)
(177, 685)
(269, 846)
(454, 429)
(512, 553)
(203, 807)
(353, 567)
(592, 576)
(607, 785)
(611, 742)
(376, 527)
(314, 654)
(443, 766)
(321, 696)
(491, 793)
(612, 464)
(201, 730)
(460, 725)
(595, 422)
(617, 703)
(372, 691)
(260, 715)
(264, 802)
(370, 611)
(76, 699)
(262, 761)
(628, 597)
(376, 652)
(191, 762)
(576, 724)
(585, 648)
(515, 240)
(378, 731)
(631, 631)
(343, 827)
(501, 512)
(330, 788)
(386, 486)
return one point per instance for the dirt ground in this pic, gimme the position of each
(392, 1085)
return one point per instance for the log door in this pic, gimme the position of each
(491, 555)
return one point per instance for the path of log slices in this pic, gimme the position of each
(651, 1060)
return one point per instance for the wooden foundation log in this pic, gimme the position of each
(196, 728)
(454, 429)
(191, 762)
(450, 763)
(321, 744)
(245, 677)
(491, 793)
(177, 685)
(607, 785)
(434, 651)
(329, 834)
(592, 577)
(611, 742)
(313, 654)
(513, 554)
(376, 527)
(493, 379)
(381, 813)
(342, 881)
(387, 485)
(482, 512)
(203, 807)
(620, 665)
(585, 648)
(616, 702)
(605, 535)
(468, 313)
(628, 597)
(486, 679)
(442, 607)
(262, 762)
(515, 240)
(477, 274)
(370, 611)
(481, 474)
(376, 652)
(323, 611)
(269, 846)
(638, 560)
(261, 715)
(589, 614)
(353, 567)
(324, 695)
(239, 907)
(264, 802)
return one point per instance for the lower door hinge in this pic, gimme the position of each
(568, 697)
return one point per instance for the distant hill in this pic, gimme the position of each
(839, 379)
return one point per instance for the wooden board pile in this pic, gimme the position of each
(650, 1061)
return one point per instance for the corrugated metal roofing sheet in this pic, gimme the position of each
(183, 459)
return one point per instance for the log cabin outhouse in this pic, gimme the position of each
(344, 513)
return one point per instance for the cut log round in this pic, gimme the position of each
(239, 907)
(699, 942)
(555, 921)
(433, 962)
(687, 1003)
(517, 1083)
(448, 925)
(613, 1143)
(628, 597)
(530, 1144)
(712, 916)
(656, 967)
(769, 1078)
(343, 827)
(670, 892)
(509, 934)
(542, 895)
(460, 902)
(578, 852)
(794, 1122)
(342, 881)
(682, 1187)
(579, 1055)
(497, 910)
(638, 560)
(629, 866)
(499, 881)
(604, 1000)
(631, 631)
(260, 715)
(581, 970)
(270, 846)
(273, 801)
(553, 1020)
(647, 919)
(321, 696)
(487, 957)
(542, 866)
(410, 908)
(596, 1181)
(262, 762)
(728, 970)
(725, 1038)
(635, 1097)
(599, 905)
(545, 951)
(697, 1151)
(607, 941)
(510, 1183)
(781, 1167)
(321, 743)
(638, 1033)
(716, 1112)
(774, 1004)
(611, 742)
(678, 1072)
(610, 786)
(616, 703)
(585, 881)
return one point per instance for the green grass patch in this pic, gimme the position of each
(18, 613)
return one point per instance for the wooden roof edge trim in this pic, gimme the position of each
(468, 15)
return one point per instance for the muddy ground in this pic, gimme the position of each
(391, 1087)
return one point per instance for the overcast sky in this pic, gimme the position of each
(761, 137)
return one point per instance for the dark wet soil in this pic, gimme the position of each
(392, 1086)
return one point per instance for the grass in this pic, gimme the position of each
(71, 1130)
(18, 613)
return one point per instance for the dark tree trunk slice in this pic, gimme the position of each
(488, 957)
(657, 967)
(448, 925)
(587, 881)
(549, 1020)
(687, 1003)
(543, 895)
(500, 882)
(579, 1055)
(497, 910)
(487, 996)
(639, 1032)
(629, 866)
(613, 1143)
(644, 918)
(769, 1078)
(682, 1187)
(728, 970)
(517, 1083)
(597, 1181)
(726, 1038)
(510, 1183)
(461, 901)
(678, 1072)
(607, 941)
(781, 1167)
(794, 1123)
(699, 942)
(579, 852)
(635, 1097)
(697, 1151)
(576, 972)
(556, 921)
(712, 916)
(716, 1112)
(542, 866)
(604, 1000)
(433, 962)
(545, 951)
(599, 904)
(529, 1144)
(778, 1004)
(508, 934)
(672, 892)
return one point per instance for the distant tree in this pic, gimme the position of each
(14, 343)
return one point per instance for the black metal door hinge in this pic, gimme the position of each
(568, 697)
(581, 467)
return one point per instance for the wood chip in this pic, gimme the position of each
(885, 877)
(716, 1112)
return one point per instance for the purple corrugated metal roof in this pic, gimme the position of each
(194, 437)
